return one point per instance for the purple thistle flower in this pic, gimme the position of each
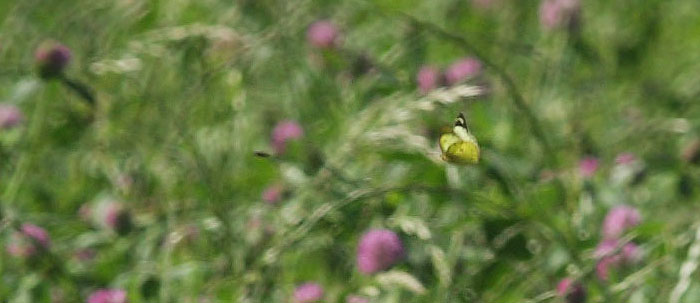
(322, 34)
(463, 69)
(571, 290)
(588, 166)
(107, 295)
(308, 292)
(273, 193)
(28, 241)
(10, 116)
(602, 268)
(52, 58)
(619, 219)
(283, 132)
(378, 250)
(107, 213)
(36, 233)
(609, 258)
(631, 253)
(428, 78)
(554, 13)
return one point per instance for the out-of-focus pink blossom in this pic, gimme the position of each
(631, 253)
(51, 59)
(108, 213)
(36, 233)
(609, 257)
(463, 69)
(273, 193)
(563, 286)
(28, 241)
(283, 132)
(10, 116)
(602, 268)
(378, 250)
(322, 34)
(588, 166)
(571, 290)
(112, 213)
(308, 292)
(555, 13)
(619, 219)
(107, 296)
(428, 78)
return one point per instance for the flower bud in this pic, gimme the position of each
(107, 296)
(10, 116)
(322, 34)
(463, 69)
(51, 59)
(283, 132)
(428, 78)
(558, 13)
(588, 166)
(308, 292)
(619, 219)
(30, 240)
(378, 250)
(572, 291)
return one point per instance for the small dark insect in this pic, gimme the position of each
(262, 154)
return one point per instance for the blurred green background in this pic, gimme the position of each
(188, 90)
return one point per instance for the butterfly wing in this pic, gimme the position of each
(447, 140)
(459, 146)
(463, 152)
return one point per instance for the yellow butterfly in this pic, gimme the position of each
(459, 146)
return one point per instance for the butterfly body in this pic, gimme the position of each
(459, 146)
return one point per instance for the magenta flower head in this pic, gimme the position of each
(37, 234)
(463, 69)
(51, 59)
(283, 132)
(609, 257)
(619, 219)
(588, 166)
(556, 13)
(10, 116)
(322, 34)
(428, 78)
(572, 291)
(30, 240)
(108, 213)
(378, 250)
(107, 295)
(273, 193)
(308, 292)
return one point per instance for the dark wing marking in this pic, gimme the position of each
(461, 121)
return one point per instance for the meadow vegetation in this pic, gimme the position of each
(287, 151)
